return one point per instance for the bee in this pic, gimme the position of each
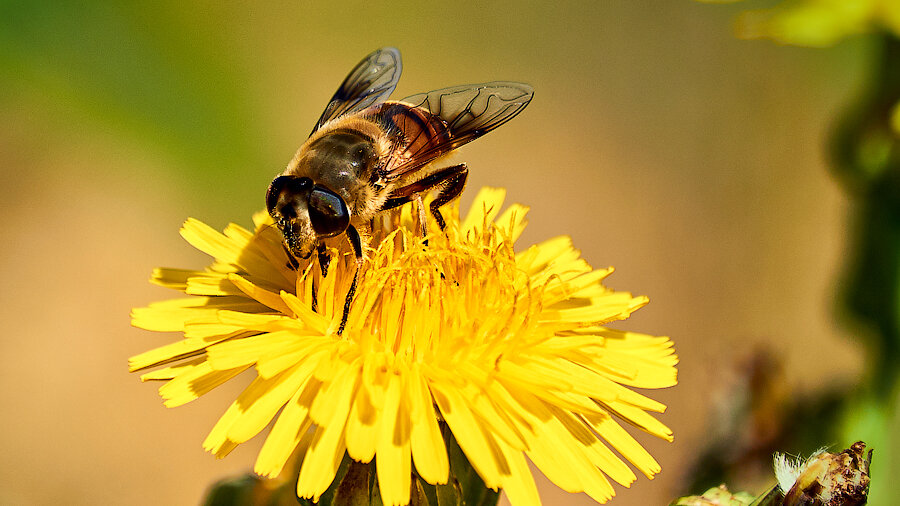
(367, 155)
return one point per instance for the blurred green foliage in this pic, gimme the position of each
(721, 496)
(867, 160)
(135, 71)
(865, 148)
(867, 155)
(819, 23)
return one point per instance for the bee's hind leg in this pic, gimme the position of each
(452, 181)
(356, 242)
(454, 184)
(423, 223)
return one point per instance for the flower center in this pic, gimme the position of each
(456, 295)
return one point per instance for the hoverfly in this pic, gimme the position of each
(367, 155)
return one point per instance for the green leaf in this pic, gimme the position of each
(232, 491)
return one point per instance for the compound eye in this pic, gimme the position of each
(327, 212)
(285, 190)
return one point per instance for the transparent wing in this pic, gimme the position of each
(466, 113)
(371, 81)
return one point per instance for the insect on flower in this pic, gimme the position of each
(367, 155)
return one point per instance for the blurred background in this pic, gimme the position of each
(693, 162)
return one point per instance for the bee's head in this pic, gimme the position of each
(305, 212)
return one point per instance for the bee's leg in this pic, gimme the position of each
(356, 242)
(423, 224)
(324, 261)
(455, 182)
(292, 264)
(395, 201)
(451, 179)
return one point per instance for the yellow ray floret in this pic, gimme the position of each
(506, 350)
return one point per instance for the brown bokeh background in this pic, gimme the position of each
(691, 161)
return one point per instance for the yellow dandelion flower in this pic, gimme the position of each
(507, 350)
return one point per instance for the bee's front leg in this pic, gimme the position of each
(324, 261)
(356, 243)
(292, 262)
(324, 258)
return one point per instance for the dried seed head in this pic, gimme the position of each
(826, 479)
